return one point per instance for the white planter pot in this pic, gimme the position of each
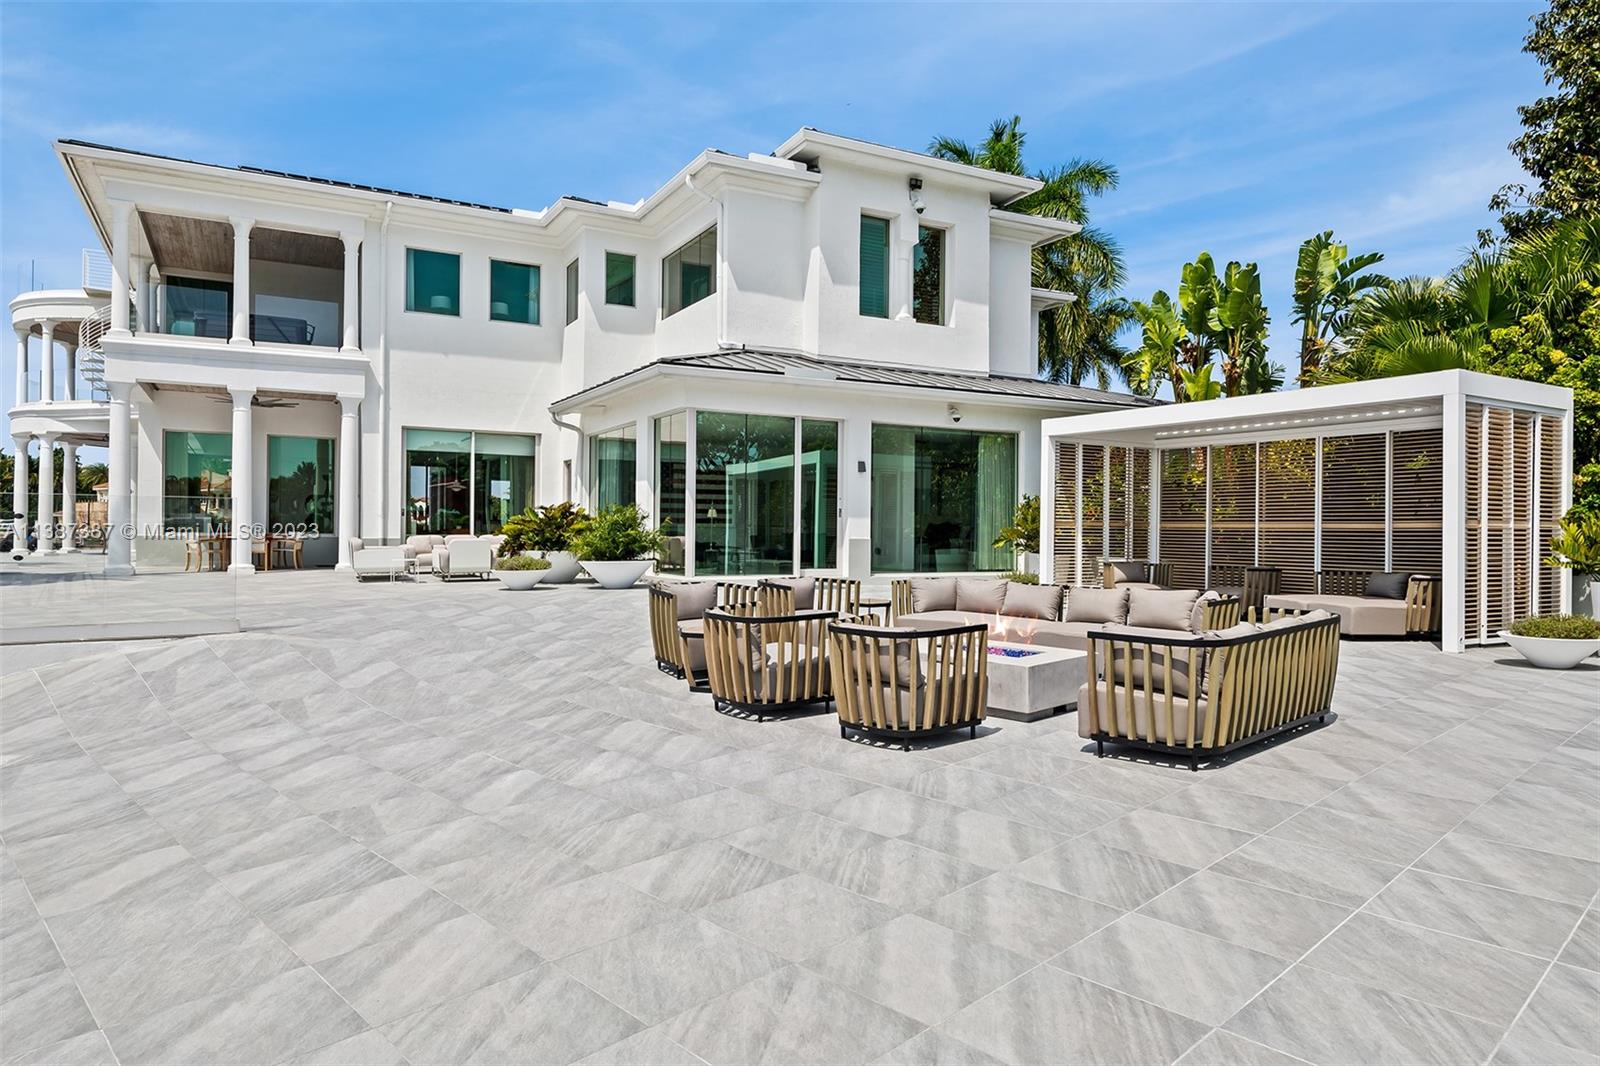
(1594, 597)
(1028, 562)
(617, 574)
(1551, 653)
(520, 580)
(564, 567)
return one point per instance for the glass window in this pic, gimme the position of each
(619, 279)
(502, 472)
(433, 282)
(874, 266)
(197, 487)
(689, 274)
(744, 494)
(198, 307)
(613, 459)
(300, 485)
(458, 481)
(672, 484)
(927, 277)
(572, 292)
(513, 292)
(939, 499)
(819, 495)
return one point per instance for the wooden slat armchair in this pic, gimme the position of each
(906, 683)
(758, 663)
(1204, 697)
(1252, 584)
(1144, 571)
(840, 595)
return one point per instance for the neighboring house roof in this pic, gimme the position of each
(808, 369)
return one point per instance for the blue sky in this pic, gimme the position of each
(1238, 129)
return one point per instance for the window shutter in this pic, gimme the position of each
(874, 266)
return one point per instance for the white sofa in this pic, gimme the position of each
(386, 561)
(465, 556)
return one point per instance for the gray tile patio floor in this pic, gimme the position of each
(435, 823)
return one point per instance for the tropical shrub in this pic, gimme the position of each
(544, 529)
(1214, 315)
(521, 562)
(1022, 535)
(1576, 546)
(1557, 627)
(615, 534)
(1022, 579)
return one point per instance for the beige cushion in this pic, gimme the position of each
(933, 594)
(1097, 605)
(1197, 616)
(1033, 601)
(1155, 609)
(805, 590)
(1069, 635)
(1362, 616)
(692, 598)
(981, 594)
(1117, 722)
(1124, 572)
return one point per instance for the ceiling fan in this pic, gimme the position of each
(260, 401)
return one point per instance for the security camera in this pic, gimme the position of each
(918, 204)
(954, 412)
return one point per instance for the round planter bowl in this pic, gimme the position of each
(520, 580)
(617, 574)
(1550, 653)
(564, 567)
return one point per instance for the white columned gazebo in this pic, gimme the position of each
(1459, 475)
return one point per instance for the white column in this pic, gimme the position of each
(70, 386)
(1453, 552)
(19, 495)
(47, 504)
(69, 496)
(241, 468)
(345, 522)
(47, 361)
(158, 301)
(121, 212)
(22, 366)
(119, 495)
(141, 296)
(351, 311)
(240, 334)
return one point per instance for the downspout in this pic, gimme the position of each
(386, 402)
(722, 232)
(577, 460)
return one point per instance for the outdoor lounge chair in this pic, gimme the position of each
(900, 684)
(1251, 585)
(464, 557)
(837, 594)
(1204, 696)
(1370, 604)
(1135, 573)
(389, 562)
(759, 663)
(677, 610)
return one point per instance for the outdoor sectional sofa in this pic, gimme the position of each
(1055, 616)
(1204, 695)
(1369, 604)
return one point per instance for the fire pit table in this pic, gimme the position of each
(1028, 682)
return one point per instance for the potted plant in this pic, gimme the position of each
(1576, 547)
(616, 547)
(519, 573)
(1022, 535)
(547, 532)
(1554, 642)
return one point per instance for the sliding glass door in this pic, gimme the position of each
(744, 494)
(819, 494)
(613, 463)
(939, 499)
(458, 481)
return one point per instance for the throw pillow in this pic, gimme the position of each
(1161, 608)
(980, 595)
(1033, 601)
(1388, 586)
(933, 594)
(694, 598)
(1097, 605)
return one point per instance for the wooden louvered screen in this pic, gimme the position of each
(1499, 599)
(1289, 511)
(1093, 524)
(1354, 501)
(1551, 446)
(1139, 504)
(1183, 515)
(1521, 534)
(1117, 505)
(1065, 547)
(1418, 510)
(1233, 506)
(1473, 593)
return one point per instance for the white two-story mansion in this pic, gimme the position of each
(819, 360)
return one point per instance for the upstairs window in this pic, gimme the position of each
(513, 292)
(433, 282)
(619, 279)
(572, 292)
(689, 274)
(927, 277)
(874, 266)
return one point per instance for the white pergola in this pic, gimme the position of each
(1454, 472)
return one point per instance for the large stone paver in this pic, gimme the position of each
(453, 823)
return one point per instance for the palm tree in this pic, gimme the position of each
(1327, 282)
(1079, 340)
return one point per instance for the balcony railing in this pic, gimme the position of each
(273, 329)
